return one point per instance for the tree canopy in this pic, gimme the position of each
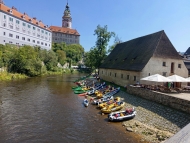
(97, 54)
(34, 61)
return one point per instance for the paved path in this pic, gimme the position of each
(185, 96)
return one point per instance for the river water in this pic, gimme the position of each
(45, 110)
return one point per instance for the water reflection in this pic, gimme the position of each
(44, 109)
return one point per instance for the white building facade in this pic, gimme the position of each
(19, 29)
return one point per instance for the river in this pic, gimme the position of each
(45, 110)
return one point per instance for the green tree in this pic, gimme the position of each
(61, 57)
(25, 61)
(50, 60)
(103, 38)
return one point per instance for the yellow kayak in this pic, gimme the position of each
(102, 105)
(114, 107)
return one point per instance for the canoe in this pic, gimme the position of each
(79, 92)
(85, 102)
(83, 94)
(102, 100)
(122, 115)
(115, 107)
(96, 88)
(113, 92)
(75, 87)
(108, 103)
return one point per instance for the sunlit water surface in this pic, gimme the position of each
(45, 110)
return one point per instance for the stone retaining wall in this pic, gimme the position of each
(162, 98)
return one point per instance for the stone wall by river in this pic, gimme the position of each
(155, 114)
(171, 101)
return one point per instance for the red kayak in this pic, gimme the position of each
(83, 94)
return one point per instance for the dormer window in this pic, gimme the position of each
(10, 11)
(23, 16)
(37, 23)
(30, 20)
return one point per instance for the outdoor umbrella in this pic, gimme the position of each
(188, 79)
(177, 78)
(156, 78)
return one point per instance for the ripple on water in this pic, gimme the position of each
(46, 110)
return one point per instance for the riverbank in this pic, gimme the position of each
(6, 76)
(154, 122)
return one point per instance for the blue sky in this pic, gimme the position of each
(129, 19)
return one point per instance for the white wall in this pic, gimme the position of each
(21, 31)
(155, 66)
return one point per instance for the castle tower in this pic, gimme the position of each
(66, 19)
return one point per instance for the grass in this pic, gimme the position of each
(5, 76)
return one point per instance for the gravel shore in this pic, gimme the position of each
(154, 122)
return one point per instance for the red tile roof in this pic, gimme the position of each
(24, 16)
(64, 30)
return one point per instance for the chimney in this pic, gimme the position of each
(14, 8)
(34, 18)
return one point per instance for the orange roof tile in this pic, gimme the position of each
(64, 30)
(24, 16)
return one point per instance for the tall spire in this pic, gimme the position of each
(66, 19)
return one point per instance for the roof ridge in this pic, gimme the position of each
(144, 36)
(158, 42)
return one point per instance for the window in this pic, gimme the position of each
(4, 33)
(4, 24)
(3, 40)
(17, 21)
(149, 74)
(34, 28)
(127, 77)
(46, 33)
(42, 43)
(38, 30)
(42, 31)
(28, 40)
(33, 41)
(38, 42)
(10, 35)
(164, 64)
(45, 44)
(11, 19)
(115, 74)
(29, 26)
(164, 73)
(135, 78)
(121, 75)
(23, 38)
(24, 24)
(17, 36)
(4, 16)
(179, 65)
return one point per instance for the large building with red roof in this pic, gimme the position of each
(20, 29)
(65, 33)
